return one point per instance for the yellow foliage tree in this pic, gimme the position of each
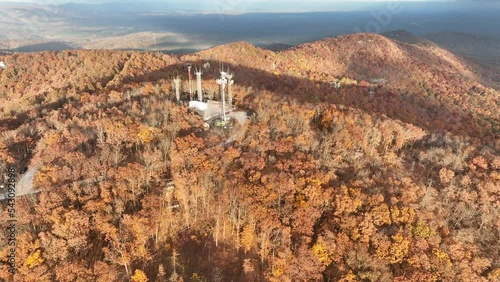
(422, 230)
(34, 260)
(395, 251)
(399, 248)
(494, 275)
(139, 276)
(321, 254)
(443, 257)
(248, 236)
(381, 215)
(146, 134)
(348, 81)
(403, 215)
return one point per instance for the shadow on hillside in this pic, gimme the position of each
(21, 118)
(419, 110)
(200, 259)
(47, 46)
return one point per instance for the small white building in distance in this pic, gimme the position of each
(197, 105)
(209, 110)
(2, 65)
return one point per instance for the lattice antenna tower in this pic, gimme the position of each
(230, 83)
(189, 66)
(177, 85)
(198, 84)
(222, 81)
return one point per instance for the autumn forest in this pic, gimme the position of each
(362, 159)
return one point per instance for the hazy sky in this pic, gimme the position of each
(216, 2)
(240, 5)
(199, 1)
(244, 6)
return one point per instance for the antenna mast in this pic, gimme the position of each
(198, 84)
(190, 88)
(230, 83)
(222, 81)
(177, 84)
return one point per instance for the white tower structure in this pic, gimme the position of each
(177, 84)
(190, 85)
(198, 85)
(230, 83)
(222, 81)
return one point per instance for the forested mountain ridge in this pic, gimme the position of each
(358, 56)
(358, 181)
(426, 79)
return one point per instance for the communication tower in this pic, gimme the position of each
(177, 85)
(222, 81)
(198, 85)
(190, 88)
(230, 83)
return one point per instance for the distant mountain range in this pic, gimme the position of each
(406, 59)
(173, 28)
